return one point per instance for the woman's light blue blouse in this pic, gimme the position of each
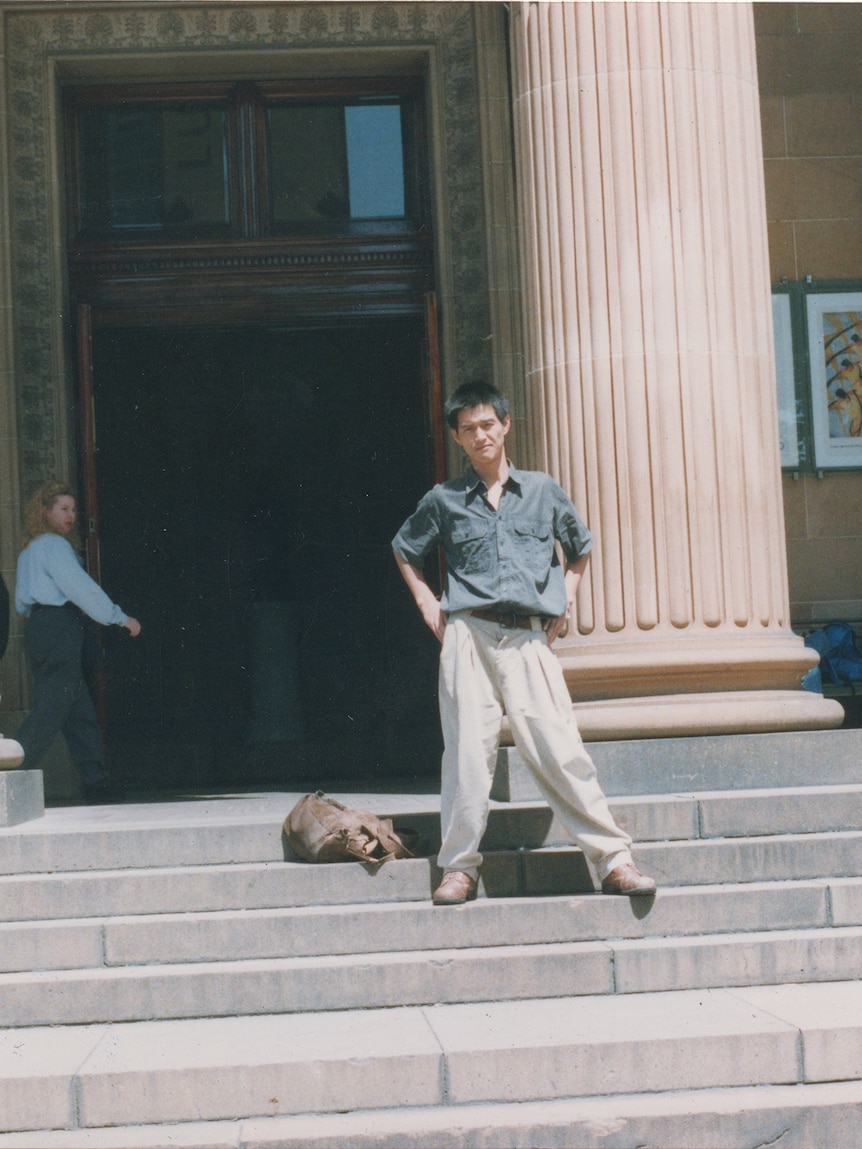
(50, 572)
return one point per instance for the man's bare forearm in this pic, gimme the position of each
(423, 596)
(554, 627)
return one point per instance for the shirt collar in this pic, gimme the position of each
(474, 485)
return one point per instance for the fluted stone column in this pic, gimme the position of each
(649, 361)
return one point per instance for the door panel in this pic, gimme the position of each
(249, 482)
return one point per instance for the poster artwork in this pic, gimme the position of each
(842, 346)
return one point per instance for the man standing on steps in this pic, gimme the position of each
(507, 599)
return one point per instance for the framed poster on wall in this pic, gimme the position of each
(788, 426)
(835, 377)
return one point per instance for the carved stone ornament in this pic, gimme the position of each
(36, 41)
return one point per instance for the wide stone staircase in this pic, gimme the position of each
(168, 977)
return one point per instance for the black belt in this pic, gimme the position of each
(52, 606)
(505, 618)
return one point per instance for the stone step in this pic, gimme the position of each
(708, 763)
(377, 980)
(785, 810)
(300, 985)
(657, 818)
(227, 1069)
(140, 837)
(775, 858)
(177, 889)
(61, 842)
(707, 861)
(795, 1116)
(236, 935)
(542, 872)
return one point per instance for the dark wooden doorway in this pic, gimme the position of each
(248, 483)
(251, 271)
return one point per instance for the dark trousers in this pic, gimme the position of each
(53, 641)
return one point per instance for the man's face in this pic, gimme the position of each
(481, 434)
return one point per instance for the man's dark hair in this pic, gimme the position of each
(470, 395)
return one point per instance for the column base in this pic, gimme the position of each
(22, 796)
(680, 715)
(700, 664)
(687, 715)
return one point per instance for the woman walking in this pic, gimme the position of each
(53, 592)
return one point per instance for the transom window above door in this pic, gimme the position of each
(200, 161)
(146, 166)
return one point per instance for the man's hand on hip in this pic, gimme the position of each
(433, 616)
(554, 627)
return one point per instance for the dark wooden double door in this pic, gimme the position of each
(242, 485)
(251, 272)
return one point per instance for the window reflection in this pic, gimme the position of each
(151, 166)
(375, 160)
(337, 162)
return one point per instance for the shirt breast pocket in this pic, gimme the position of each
(471, 548)
(537, 546)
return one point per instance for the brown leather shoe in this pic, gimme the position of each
(627, 879)
(456, 887)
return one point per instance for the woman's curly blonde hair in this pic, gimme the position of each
(42, 500)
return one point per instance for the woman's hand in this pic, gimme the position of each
(132, 626)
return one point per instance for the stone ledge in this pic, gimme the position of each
(697, 764)
(22, 796)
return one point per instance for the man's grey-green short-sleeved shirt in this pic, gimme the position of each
(498, 559)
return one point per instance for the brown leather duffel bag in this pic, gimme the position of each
(320, 829)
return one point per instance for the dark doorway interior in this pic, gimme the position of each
(249, 482)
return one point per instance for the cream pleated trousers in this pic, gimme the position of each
(487, 671)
